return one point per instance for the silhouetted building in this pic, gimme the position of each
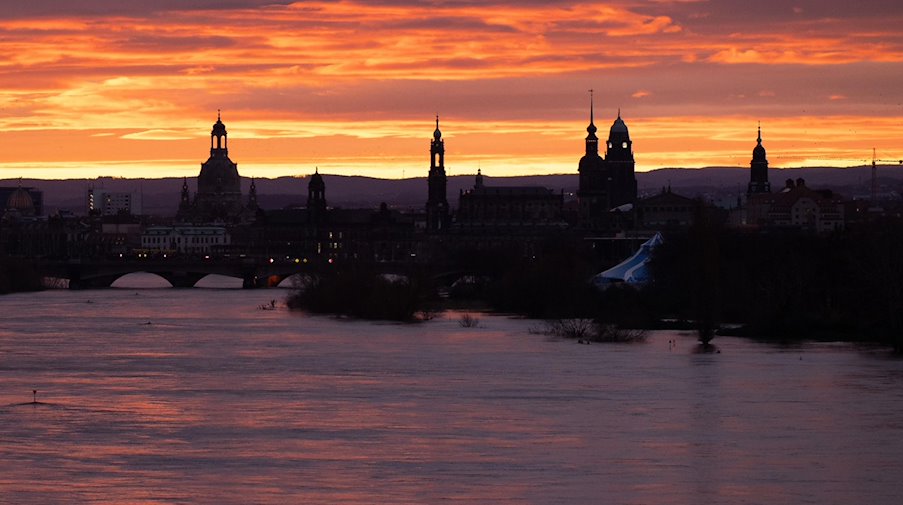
(24, 200)
(437, 212)
(666, 211)
(108, 203)
(605, 184)
(758, 169)
(797, 207)
(506, 207)
(218, 198)
(185, 239)
(316, 198)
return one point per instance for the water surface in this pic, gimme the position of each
(198, 396)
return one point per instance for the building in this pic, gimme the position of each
(666, 211)
(506, 207)
(185, 240)
(437, 211)
(758, 169)
(109, 203)
(798, 207)
(24, 199)
(218, 198)
(605, 183)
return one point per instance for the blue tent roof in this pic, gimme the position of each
(633, 270)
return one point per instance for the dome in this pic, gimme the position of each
(316, 181)
(619, 127)
(218, 127)
(437, 134)
(219, 175)
(759, 151)
(21, 201)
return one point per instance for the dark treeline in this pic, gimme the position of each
(364, 293)
(777, 285)
(18, 275)
(846, 286)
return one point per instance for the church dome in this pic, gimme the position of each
(759, 150)
(219, 175)
(619, 127)
(20, 200)
(316, 181)
(219, 128)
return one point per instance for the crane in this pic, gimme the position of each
(875, 161)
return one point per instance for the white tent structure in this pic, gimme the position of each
(634, 270)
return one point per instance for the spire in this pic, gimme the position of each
(591, 129)
(759, 138)
(590, 106)
(437, 134)
(219, 113)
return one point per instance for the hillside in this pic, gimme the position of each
(161, 196)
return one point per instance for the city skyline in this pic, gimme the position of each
(111, 88)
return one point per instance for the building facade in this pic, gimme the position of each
(185, 239)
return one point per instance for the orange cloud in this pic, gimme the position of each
(350, 84)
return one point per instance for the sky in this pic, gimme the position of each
(131, 89)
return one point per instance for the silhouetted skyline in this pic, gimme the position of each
(102, 87)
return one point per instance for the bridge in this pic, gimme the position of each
(185, 272)
(180, 272)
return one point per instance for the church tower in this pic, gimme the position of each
(437, 215)
(219, 186)
(252, 196)
(316, 198)
(620, 163)
(185, 208)
(758, 169)
(592, 186)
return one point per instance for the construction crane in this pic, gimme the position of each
(875, 161)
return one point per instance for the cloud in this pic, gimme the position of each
(291, 74)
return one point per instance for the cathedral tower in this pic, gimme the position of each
(621, 166)
(758, 169)
(316, 198)
(437, 214)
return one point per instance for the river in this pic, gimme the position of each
(164, 396)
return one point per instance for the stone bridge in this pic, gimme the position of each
(180, 272)
(186, 272)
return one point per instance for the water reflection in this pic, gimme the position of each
(216, 401)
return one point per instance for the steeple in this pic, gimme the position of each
(437, 203)
(758, 168)
(252, 195)
(592, 141)
(316, 197)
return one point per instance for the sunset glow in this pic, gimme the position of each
(103, 87)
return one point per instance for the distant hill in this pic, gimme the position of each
(161, 196)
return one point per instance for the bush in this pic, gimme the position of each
(362, 294)
(468, 321)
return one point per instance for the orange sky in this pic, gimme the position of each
(107, 87)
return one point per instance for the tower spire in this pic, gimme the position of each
(759, 138)
(590, 106)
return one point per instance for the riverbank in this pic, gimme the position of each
(17, 275)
